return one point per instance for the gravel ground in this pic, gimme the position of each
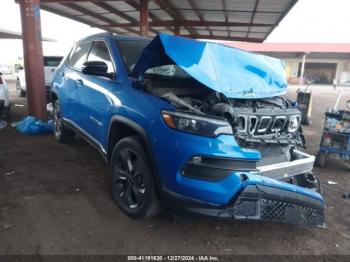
(54, 199)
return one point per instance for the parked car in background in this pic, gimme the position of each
(50, 64)
(196, 124)
(4, 98)
(5, 69)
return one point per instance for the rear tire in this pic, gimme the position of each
(133, 185)
(20, 92)
(62, 134)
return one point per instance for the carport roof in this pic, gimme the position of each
(7, 34)
(240, 20)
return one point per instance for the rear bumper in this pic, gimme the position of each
(261, 203)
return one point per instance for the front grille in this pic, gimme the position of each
(262, 125)
(276, 210)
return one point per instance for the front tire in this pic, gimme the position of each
(133, 185)
(61, 133)
(20, 92)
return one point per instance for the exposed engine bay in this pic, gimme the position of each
(256, 122)
(271, 120)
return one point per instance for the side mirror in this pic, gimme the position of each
(20, 67)
(96, 68)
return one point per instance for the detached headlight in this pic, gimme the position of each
(294, 123)
(203, 126)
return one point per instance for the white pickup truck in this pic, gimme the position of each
(50, 64)
(4, 98)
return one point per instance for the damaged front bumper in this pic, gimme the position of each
(302, 163)
(265, 195)
(210, 175)
(257, 202)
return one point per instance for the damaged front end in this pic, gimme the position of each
(271, 127)
(217, 90)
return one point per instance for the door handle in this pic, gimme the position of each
(79, 82)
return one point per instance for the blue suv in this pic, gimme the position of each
(196, 124)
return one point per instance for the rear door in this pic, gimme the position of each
(94, 93)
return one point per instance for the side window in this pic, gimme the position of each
(99, 52)
(78, 57)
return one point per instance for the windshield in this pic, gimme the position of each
(130, 51)
(173, 71)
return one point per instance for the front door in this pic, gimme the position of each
(94, 95)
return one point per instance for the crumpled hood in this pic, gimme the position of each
(231, 71)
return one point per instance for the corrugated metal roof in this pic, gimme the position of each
(240, 20)
(7, 34)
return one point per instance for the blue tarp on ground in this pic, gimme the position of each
(30, 125)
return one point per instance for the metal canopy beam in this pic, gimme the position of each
(253, 16)
(195, 9)
(92, 14)
(33, 58)
(123, 14)
(224, 38)
(118, 13)
(77, 1)
(168, 15)
(175, 15)
(136, 6)
(144, 17)
(185, 23)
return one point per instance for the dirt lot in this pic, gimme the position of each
(57, 202)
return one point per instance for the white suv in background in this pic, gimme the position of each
(50, 64)
(4, 98)
(5, 69)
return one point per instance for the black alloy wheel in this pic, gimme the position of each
(133, 186)
(129, 181)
